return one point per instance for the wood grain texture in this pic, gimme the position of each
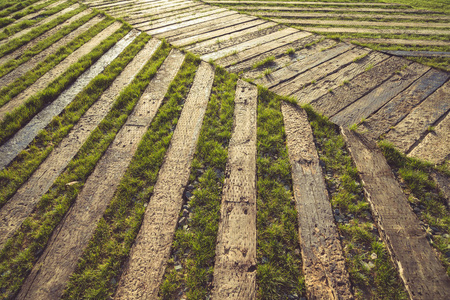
(422, 273)
(50, 275)
(148, 257)
(400, 106)
(368, 104)
(235, 265)
(405, 134)
(14, 212)
(326, 276)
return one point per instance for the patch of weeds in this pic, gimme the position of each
(369, 67)
(194, 245)
(22, 251)
(290, 51)
(278, 252)
(430, 128)
(427, 202)
(265, 62)
(360, 57)
(23, 114)
(100, 265)
(9, 9)
(267, 71)
(371, 271)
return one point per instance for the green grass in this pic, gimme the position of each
(371, 278)
(425, 199)
(24, 113)
(20, 41)
(278, 254)
(198, 240)
(98, 270)
(9, 9)
(27, 55)
(22, 250)
(264, 63)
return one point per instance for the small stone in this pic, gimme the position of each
(185, 212)
(416, 210)
(72, 183)
(145, 204)
(178, 268)
(182, 221)
(190, 187)
(188, 195)
(373, 256)
(336, 211)
(185, 227)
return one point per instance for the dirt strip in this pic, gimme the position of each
(377, 31)
(324, 267)
(233, 38)
(436, 144)
(48, 279)
(335, 9)
(10, 149)
(365, 106)
(361, 23)
(40, 23)
(349, 16)
(235, 262)
(249, 44)
(255, 51)
(399, 42)
(331, 103)
(297, 83)
(35, 60)
(279, 54)
(151, 250)
(19, 51)
(17, 209)
(334, 80)
(295, 69)
(405, 134)
(213, 29)
(422, 273)
(303, 3)
(58, 70)
(398, 108)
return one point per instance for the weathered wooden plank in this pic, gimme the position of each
(14, 212)
(361, 23)
(235, 265)
(148, 256)
(419, 53)
(303, 3)
(295, 69)
(365, 106)
(335, 9)
(181, 11)
(331, 103)
(405, 134)
(326, 276)
(422, 273)
(295, 84)
(348, 16)
(248, 44)
(399, 42)
(435, 147)
(154, 11)
(279, 54)
(10, 149)
(255, 51)
(376, 31)
(49, 278)
(334, 80)
(400, 106)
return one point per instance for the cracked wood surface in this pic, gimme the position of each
(50, 275)
(148, 257)
(235, 264)
(324, 267)
(17, 209)
(421, 271)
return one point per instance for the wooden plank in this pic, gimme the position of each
(49, 278)
(182, 10)
(399, 42)
(321, 87)
(365, 106)
(295, 69)
(154, 11)
(248, 44)
(377, 31)
(279, 54)
(41, 56)
(421, 271)
(233, 38)
(151, 250)
(361, 23)
(435, 147)
(399, 107)
(331, 103)
(348, 16)
(295, 84)
(57, 70)
(235, 265)
(419, 53)
(11, 148)
(17, 209)
(335, 9)
(405, 134)
(323, 260)
(255, 51)
(213, 30)
(303, 3)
